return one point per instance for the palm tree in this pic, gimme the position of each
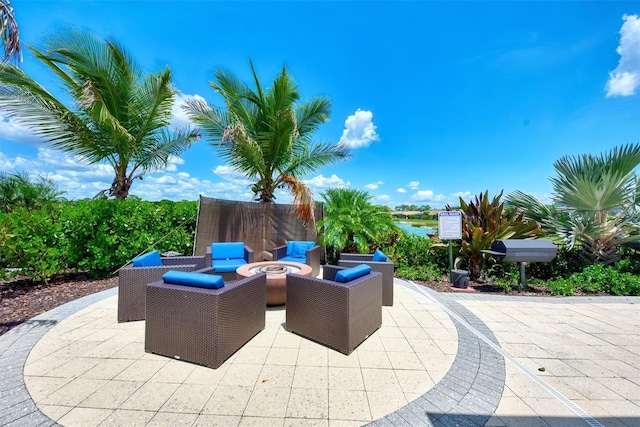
(17, 189)
(120, 113)
(266, 134)
(352, 221)
(595, 201)
(9, 34)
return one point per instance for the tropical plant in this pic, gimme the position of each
(266, 134)
(484, 221)
(351, 222)
(9, 34)
(17, 189)
(120, 113)
(595, 201)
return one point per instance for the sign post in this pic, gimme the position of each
(450, 228)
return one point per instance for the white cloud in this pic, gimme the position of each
(382, 199)
(374, 185)
(320, 182)
(180, 119)
(625, 79)
(230, 174)
(401, 190)
(13, 131)
(359, 130)
(413, 185)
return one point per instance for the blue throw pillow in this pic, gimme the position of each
(230, 250)
(150, 259)
(190, 278)
(379, 256)
(300, 249)
(349, 274)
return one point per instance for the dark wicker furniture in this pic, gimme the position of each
(312, 257)
(204, 326)
(227, 275)
(132, 280)
(338, 315)
(386, 268)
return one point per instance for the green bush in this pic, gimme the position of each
(416, 257)
(597, 278)
(561, 287)
(98, 236)
(422, 272)
(566, 263)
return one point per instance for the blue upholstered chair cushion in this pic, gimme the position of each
(298, 249)
(227, 265)
(228, 250)
(190, 278)
(379, 256)
(292, 259)
(349, 274)
(150, 259)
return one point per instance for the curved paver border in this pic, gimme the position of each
(467, 395)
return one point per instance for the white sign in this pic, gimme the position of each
(450, 225)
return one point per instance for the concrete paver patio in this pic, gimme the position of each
(439, 359)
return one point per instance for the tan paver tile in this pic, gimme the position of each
(208, 376)
(381, 380)
(129, 418)
(54, 412)
(621, 386)
(189, 398)
(141, 370)
(342, 360)
(314, 356)
(392, 344)
(107, 369)
(74, 392)
(111, 395)
(84, 417)
(303, 422)
(282, 356)
(242, 375)
(592, 389)
(372, 343)
(150, 396)
(404, 360)
(418, 381)
(308, 403)
(349, 405)
(268, 402)
(285, 339)
(175, 371)
(261, 422)
(163, 419)
(252, 355)
(374, 359)
(41, 387)
(345, 378)
(276, 376)
(311, 377)
(228, 400)
(382, 403)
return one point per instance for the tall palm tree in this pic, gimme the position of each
(18, 189)
(120, 114)
(9, 34)
(595, 201)
(351, 220)
(266, 134)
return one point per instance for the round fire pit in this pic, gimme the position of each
(276, 277)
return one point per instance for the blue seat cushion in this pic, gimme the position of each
(196, 280)
(150, 259)
(302, 260)
(379, 256)
(227, 265)
(349, 274)
(229, 250)
(298, 248)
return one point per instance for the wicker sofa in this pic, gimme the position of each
(311, 255)
(338, 315)
(204, 326)
(132, 280)
(226, 257)
(384, 267)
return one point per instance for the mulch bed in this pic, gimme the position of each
(22, 298)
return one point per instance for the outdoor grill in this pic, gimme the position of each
(523, 251)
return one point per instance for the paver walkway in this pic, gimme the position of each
(439, 359)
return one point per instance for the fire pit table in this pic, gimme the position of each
(276, 277)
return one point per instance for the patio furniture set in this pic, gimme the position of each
(202, 309)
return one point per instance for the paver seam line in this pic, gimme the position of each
(555, 393)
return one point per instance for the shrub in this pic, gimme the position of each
(597, 278)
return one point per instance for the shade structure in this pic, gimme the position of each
(261, 227)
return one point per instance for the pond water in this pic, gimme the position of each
(420, 231)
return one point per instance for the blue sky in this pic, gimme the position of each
(437, 99)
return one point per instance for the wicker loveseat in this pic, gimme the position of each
(132, 280)
(303, 252)
(204, 326)
(338, 315)
(226, 257)
(379, 263)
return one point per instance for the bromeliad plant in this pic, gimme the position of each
(483, 222)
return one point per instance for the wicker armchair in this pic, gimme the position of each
(311, 257)
(217, 256)
(131, 282)
(204, 326)
(386, 268)
(338, 315)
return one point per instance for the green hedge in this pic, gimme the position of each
(93, 235)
